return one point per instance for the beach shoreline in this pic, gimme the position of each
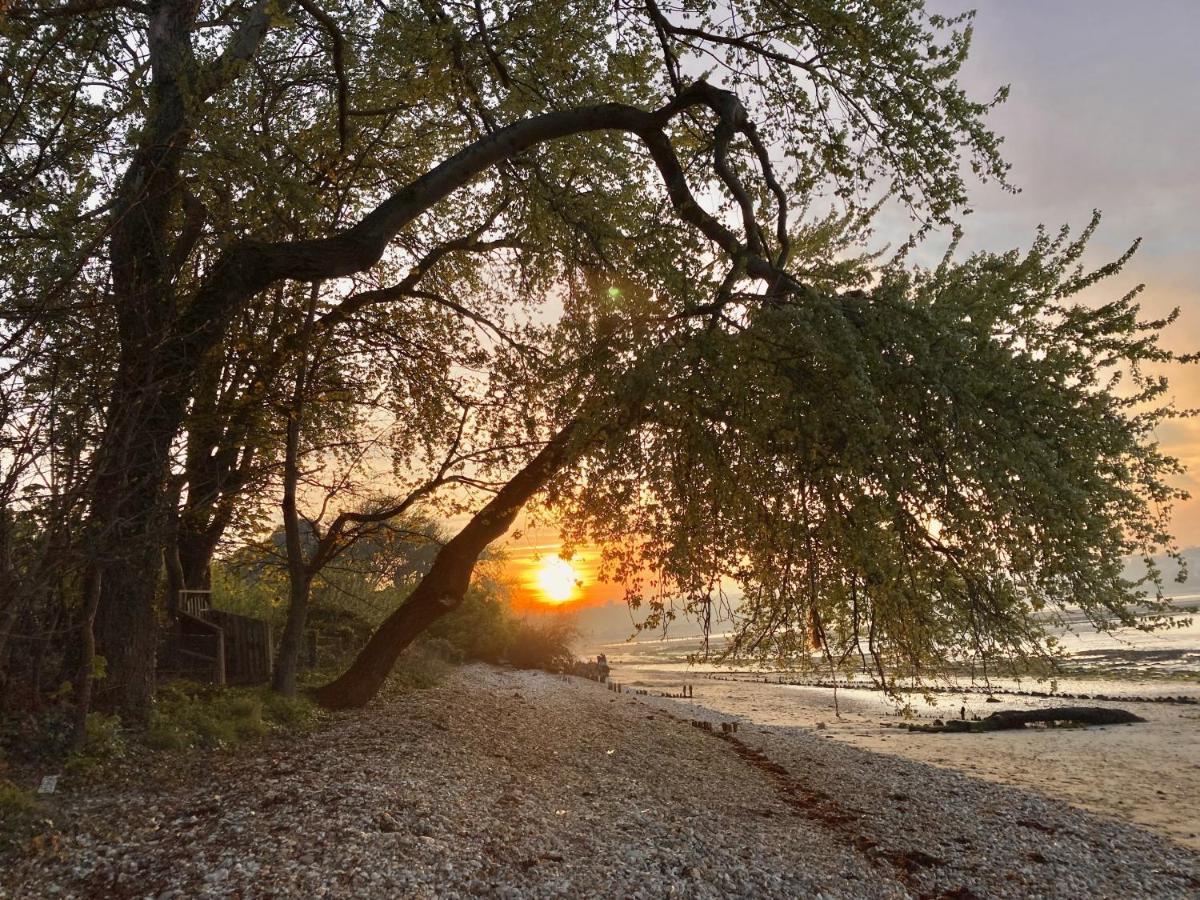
(514, 784)
(1147, 774)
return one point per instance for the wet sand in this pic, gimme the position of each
(1147, 774)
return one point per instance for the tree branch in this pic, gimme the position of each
(338, 52)
(69, 10)
(242, 47)
(247, 268)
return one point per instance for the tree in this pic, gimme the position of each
(228, 149)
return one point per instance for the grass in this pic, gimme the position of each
(189, 715)
(19, 814)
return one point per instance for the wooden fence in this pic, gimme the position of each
(221, 647)
(249, 655)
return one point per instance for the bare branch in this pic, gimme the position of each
(338, 52)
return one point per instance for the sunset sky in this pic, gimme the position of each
(1104, 114)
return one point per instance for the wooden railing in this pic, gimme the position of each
(221, 647)
(199, 650)
(249, 654)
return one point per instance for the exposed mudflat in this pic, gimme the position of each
(517, 784)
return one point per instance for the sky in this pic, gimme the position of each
(1104, 113)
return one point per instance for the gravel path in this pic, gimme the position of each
(518, 784)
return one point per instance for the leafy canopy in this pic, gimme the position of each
(917, 464)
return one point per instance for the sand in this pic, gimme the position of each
(1147, 774)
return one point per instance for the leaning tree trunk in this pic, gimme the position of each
(444, 587)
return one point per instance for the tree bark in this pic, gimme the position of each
(133, 457)
(87, 676)
(444, 587)
(287, 659)
(301, 571)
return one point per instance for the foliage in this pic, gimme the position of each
(924, 472)
(230, 230)
(419, 668)
(18, 811)
(188, 715)
(104, 742)
(545, 644)
(364, 583)
(16, 800)
(481, 627)
(484, 627)
(37, 737)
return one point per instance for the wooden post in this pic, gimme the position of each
(219, 662)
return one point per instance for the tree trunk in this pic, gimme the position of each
(444, 587)
(87, 660)
(147, 403)
(291, 644)
(1083, 715)
(287, 660)
(10, 599)
(1019, 718)
(196, 551)
(127, 528)
(300, 571)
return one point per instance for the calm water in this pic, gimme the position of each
(1128, 663)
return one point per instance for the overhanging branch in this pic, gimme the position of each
(247, 268)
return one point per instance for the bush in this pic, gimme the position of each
(481, 627)
(15, 800)
(484, 627)
(542, 645)
(419, 668)
(443, 649)
(37, 738)
(103, 742)
(18, 813)
(191, 715)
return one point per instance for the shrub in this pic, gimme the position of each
(35, 738)
(103, 742)
(418, 668)
(191, 715)
(18, 813)
(542, 645)
(16, 800)
(443, 649)
(289, 713)
(481, 627)
(484, 627)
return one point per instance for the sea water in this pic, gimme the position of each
(1122, 665)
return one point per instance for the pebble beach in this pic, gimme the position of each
(502, 783)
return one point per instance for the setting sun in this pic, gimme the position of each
(557, 580)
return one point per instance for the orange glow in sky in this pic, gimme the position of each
(557, 580)
(541, 580)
